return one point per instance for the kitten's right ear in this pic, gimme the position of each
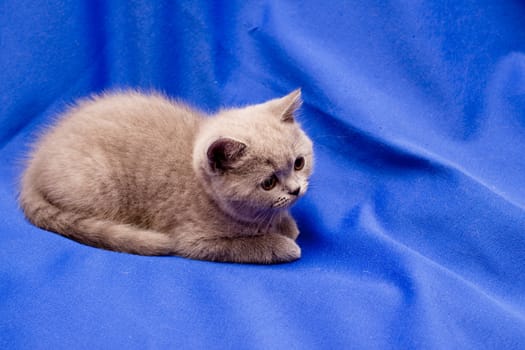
(286, 106)
(224, 152)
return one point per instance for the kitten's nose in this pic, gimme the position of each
(295, 192)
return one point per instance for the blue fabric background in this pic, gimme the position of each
(413, 231)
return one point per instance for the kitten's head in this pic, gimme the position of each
(255, 161)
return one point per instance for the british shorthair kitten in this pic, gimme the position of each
(142, 174)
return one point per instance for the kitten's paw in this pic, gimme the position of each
(284, 249)
(269, 248)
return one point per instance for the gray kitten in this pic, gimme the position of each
(142, 174)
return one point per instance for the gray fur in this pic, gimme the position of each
(142, 174)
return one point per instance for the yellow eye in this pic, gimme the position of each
(269, 183)
(299, 163)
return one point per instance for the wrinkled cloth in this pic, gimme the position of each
(412, 232)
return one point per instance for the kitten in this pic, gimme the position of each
(142, 174)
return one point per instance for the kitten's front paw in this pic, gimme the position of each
(284, 249)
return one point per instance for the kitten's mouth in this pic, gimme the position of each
(284, 202)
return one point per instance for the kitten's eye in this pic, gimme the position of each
(299, 163)
(269, 183)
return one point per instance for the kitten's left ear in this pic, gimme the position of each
(286, 106)
(224, 152)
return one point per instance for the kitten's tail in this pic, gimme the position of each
(96, 232)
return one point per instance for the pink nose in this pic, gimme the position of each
(295, 192)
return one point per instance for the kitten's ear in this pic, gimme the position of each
(224, 152)
(286, 106)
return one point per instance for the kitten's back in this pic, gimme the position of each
(117, 156)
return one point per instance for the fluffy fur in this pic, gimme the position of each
(142, 174)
